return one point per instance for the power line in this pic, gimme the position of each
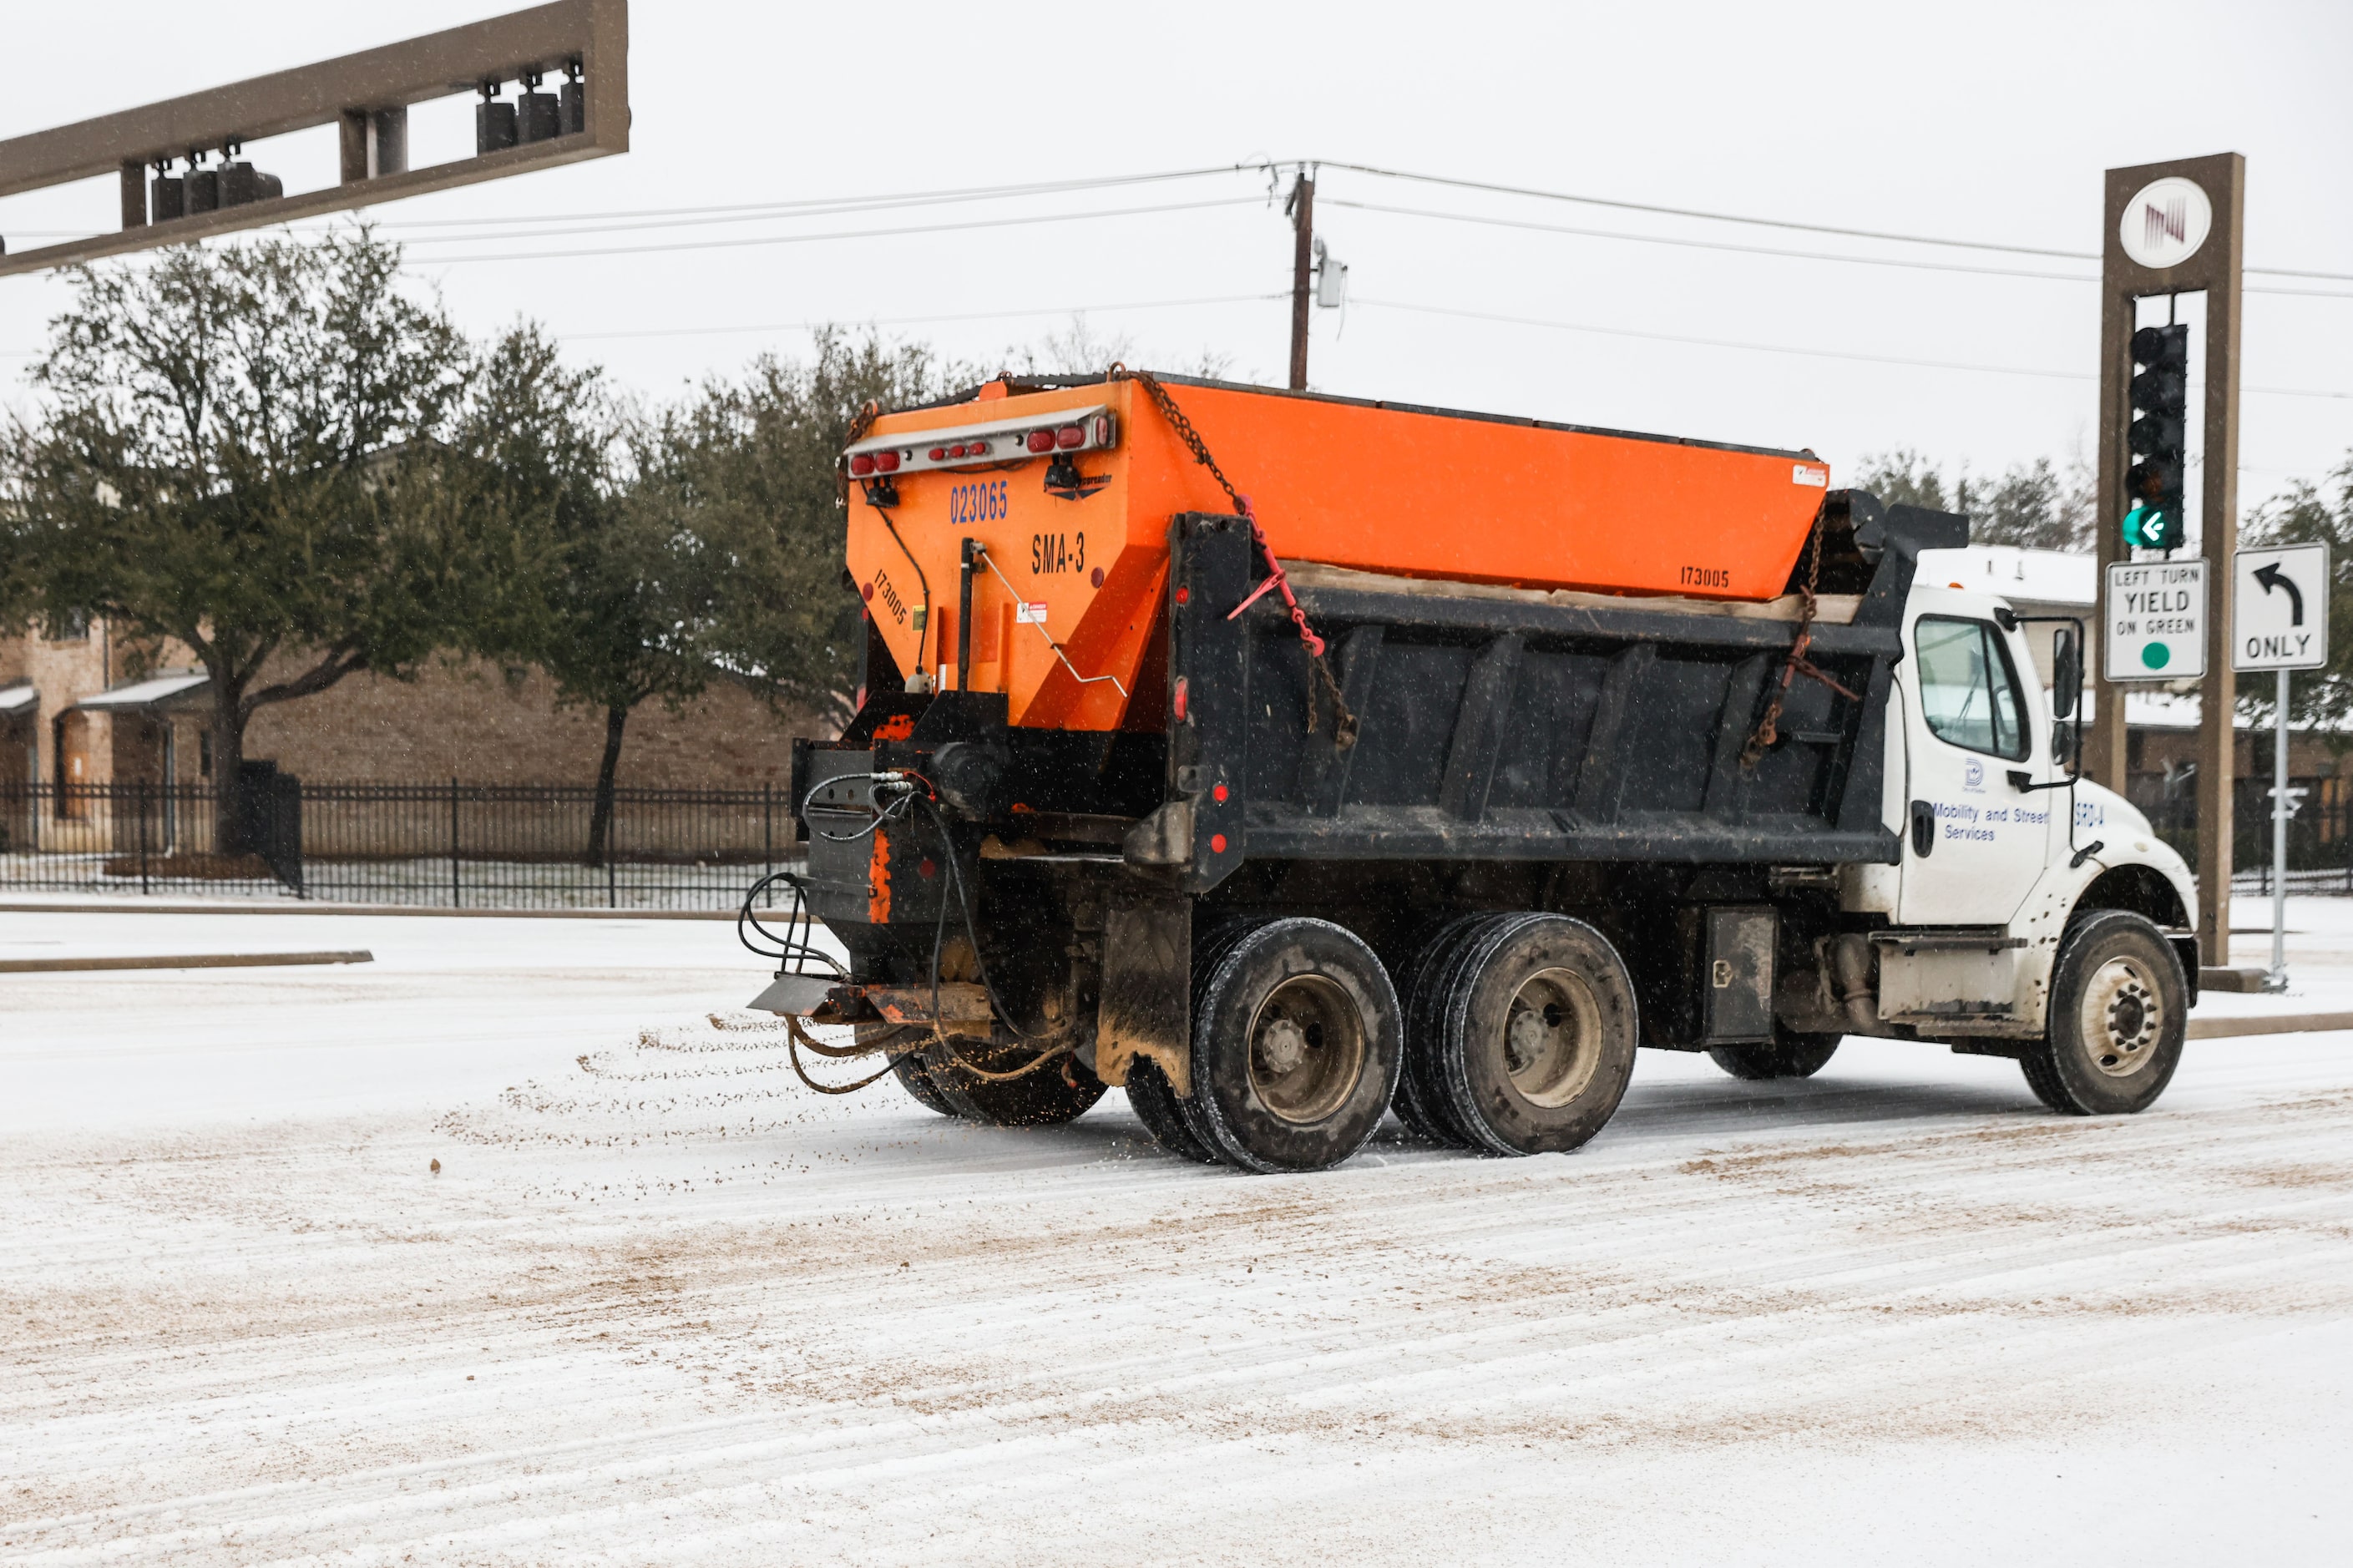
(1786, 348)
(831, 205)
(912, 321)
(1702, 244)
(827, 207)
(1766, 249)
(1709, 216)
(843, 233)
(815, 206)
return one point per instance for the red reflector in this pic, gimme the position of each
(1069, 437)
(939, 452)
(1095, 577)
(928, 868)
(1217, 842)
(862, 465)
(1219, 793)
(1180, 697)
(887, 461)
(866, 591)
(1183, 594)
(1102, 429)
(1041, 441)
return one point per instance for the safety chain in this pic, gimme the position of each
(1343, 728)
(1767, 731)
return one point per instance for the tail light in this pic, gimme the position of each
(1079, 430)
(1178, 705)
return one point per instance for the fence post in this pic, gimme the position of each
(768, 834)
(142, 836)
(612, 888)
(455, 901)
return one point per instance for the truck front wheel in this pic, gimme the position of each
(2119, 1013)
(1531, 1042)
(1296, 1040)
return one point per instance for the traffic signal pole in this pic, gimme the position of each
(2211, 268)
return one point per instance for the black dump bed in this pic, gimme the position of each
(1487, 725)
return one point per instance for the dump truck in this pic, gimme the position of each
(1286, 759)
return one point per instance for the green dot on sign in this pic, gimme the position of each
(2156, 655)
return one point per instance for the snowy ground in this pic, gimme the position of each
(662, 1305)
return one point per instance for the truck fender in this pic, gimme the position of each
(2131, 874)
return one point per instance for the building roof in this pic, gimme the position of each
(2035, 576)
(16, 699)
(155, 693)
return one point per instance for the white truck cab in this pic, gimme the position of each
(2031, 907)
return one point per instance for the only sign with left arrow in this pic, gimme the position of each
(2279, 608)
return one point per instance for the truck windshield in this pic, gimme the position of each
(1968, 691)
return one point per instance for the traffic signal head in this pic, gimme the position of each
(2153, 487)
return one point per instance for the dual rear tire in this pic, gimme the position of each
(1520, 1035)
(1516, 1036)
(1061, 1090)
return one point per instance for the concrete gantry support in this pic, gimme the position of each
(2213, 268)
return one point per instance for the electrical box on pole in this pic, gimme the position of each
(173, 193)
(2171, 230)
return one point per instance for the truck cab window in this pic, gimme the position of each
(1968, 690)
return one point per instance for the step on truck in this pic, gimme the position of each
(1288, 759)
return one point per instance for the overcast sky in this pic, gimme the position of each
(1989, 122)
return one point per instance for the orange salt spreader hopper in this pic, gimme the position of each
(1067, 495)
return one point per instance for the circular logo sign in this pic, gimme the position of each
(2165, 222)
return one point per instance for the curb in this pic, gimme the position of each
(183, 960)
(2278, 1023)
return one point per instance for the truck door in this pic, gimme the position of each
(1973, 845)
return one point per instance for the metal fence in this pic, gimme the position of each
(452, 845)
(2319, 835)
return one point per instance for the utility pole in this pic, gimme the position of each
(1303, 266)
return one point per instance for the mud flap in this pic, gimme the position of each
(1147, 989)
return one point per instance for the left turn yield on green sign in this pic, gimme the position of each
(2156, 616)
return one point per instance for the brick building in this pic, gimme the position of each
(70, 714)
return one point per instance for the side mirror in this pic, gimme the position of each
(2063, 746)
(2066, 673)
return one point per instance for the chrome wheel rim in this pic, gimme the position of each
(1306, 1050)
(2122, 1017)
(1552, 1038)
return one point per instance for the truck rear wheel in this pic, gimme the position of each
(916, 1079)
(1790, 1055)
(2119, 1014)
(1061, 1090)
(1535, 1034)
(1157, 1107)
(1420, 1104)
(1296, 1040)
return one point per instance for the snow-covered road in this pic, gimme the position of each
(663, 1305)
